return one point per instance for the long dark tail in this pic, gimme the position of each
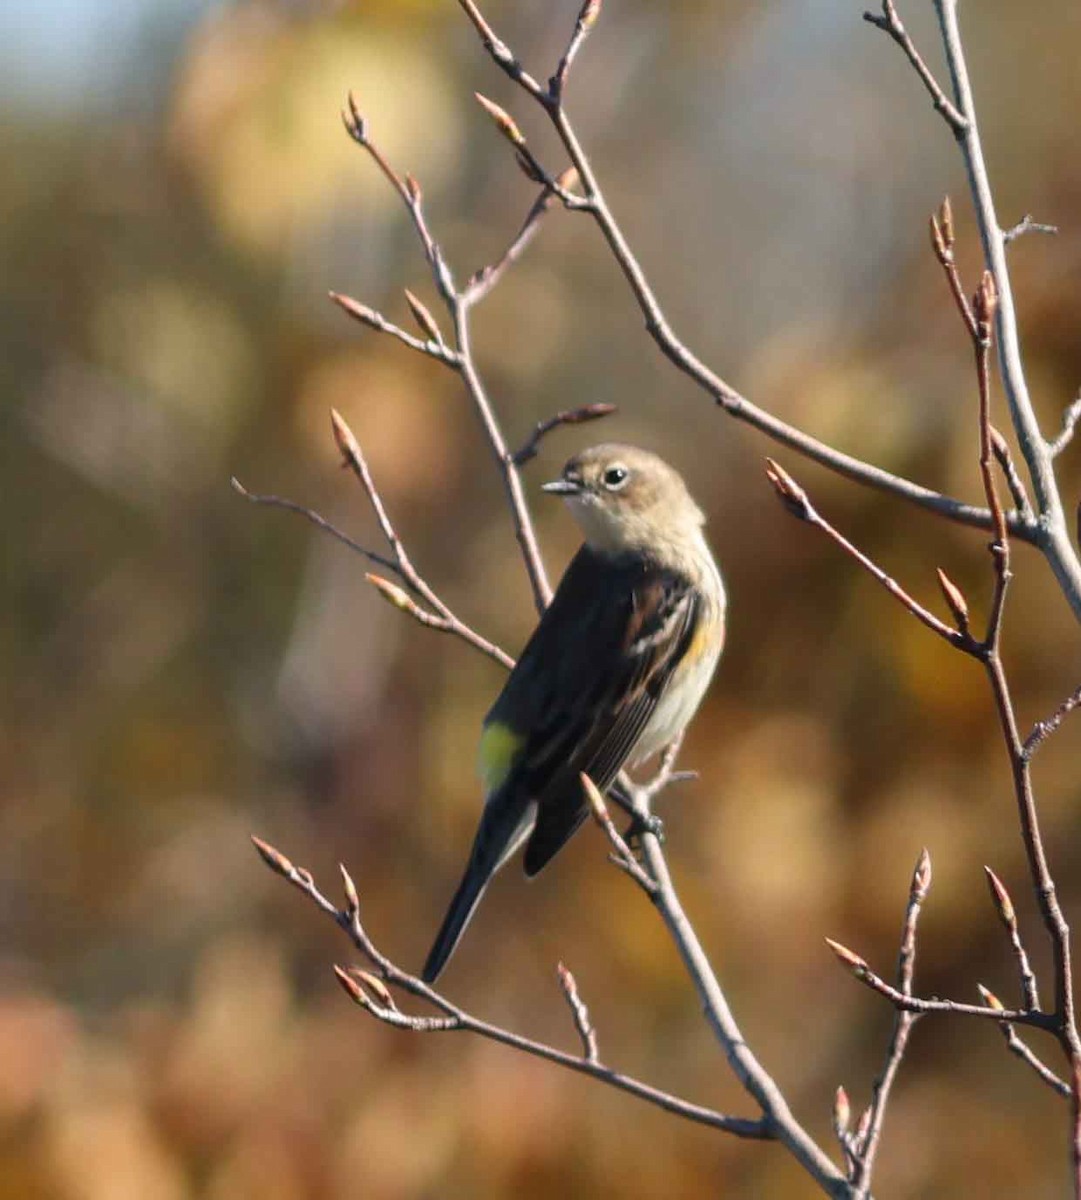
(505, 823)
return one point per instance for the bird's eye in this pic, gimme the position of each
(616, 476)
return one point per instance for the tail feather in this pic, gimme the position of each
(503, 828)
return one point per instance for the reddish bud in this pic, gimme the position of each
(274, 859)
(955, 599)
(503, 121)
(853, 962)
(423, 317)
(1001, 899)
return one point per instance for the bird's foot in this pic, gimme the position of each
(641, 824)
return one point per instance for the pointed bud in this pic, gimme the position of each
(391, 592)
(374, 984)
(568, 179)
(955, 599)
(503, 121)
(938, 242)
(853, 962)
(351, 988)
(985, 299)
(945, 216)
(423, 317)
(359, 312)
(567, 982)
(344, 436)
(791, 495)
(921, 876)
(350, 889)
(990, 999)
(842, 1112)
(413, 188)
(1001, 899)
(274, 859)
(864, 1126)
(354, 122)
(595, 800)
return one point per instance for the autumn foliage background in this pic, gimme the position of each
(181, 669)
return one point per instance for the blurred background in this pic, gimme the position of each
(181, 669)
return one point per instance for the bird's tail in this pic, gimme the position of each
(503, 827)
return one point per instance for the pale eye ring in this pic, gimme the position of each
(615, 477)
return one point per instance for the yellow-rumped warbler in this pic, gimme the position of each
(613, 672)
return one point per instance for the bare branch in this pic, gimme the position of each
(433, 348)
(574, 416)
(860, 970)
(1008, 916)
(1027, 225)
(1054, 538)
(1026, 1054)
(795, 499)
(1069, 422)
(569, 986)
(484, 280)
(317, 520)
(902, 1028)
(891, 24)
(587, 18)
(1043, 729)
(452, 1018)
(727, 397)
(621, 853)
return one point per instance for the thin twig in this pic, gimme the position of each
(1069, 423)
(797, 502)
(727, 397)
(402, 564)
(1053, 538)
(453, 1018)
(582, 1023)
(1043, 729)
(1008, 916)
(902, 1028)
(891, 24)
(860, 970)
(587, 18)
(1016, 1045)
(375, 320)
(484, 280)
(574, 416)
(1027, 225)
(1012, 476)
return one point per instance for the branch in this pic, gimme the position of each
(452, 1018)
(902, 1027)
(1069, 422)
(1027, 225)
(1043, 729)
(575, 416)
(777, 1117)
(1053, 539)
(797, 502)
(375, 320)
(1008, 916)
(914, 1004)
(891, 24)
(726, 396)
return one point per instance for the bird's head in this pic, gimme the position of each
(627, 499)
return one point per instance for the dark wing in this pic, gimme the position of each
(588, 682)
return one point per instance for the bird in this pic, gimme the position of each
(613, 672)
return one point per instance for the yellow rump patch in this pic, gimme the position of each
(499, 747)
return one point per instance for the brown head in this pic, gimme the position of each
(627, 499)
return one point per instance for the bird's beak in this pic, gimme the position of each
(562, 487)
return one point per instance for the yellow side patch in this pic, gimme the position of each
(499, 747)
